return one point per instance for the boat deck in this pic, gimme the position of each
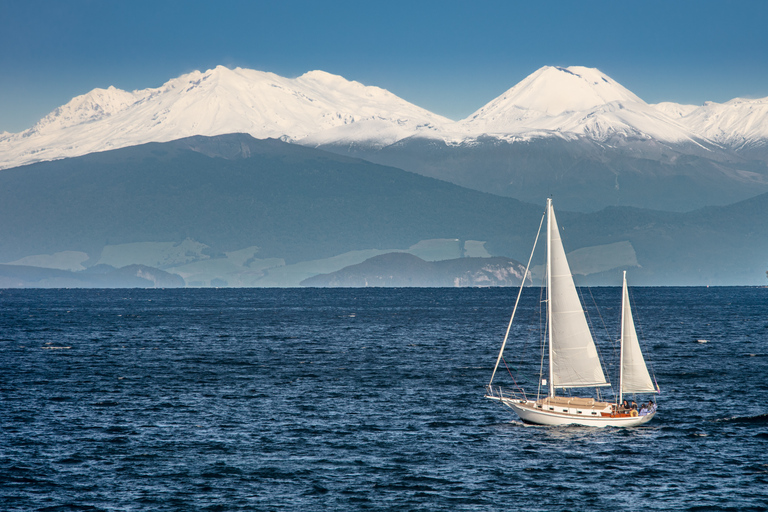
(572, 406)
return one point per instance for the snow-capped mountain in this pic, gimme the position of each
(576, 134)
(323, 110)
(737, 123)
(216, 102)
(572, 102)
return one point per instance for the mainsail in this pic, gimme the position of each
(574, 362)
(634, 374)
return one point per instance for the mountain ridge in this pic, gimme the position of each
(214, 102)
(320, 108)
(574, 132)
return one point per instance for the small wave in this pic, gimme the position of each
(105, 403)
(316, 489)
(507, 424)
(759, 419)
(71, 460)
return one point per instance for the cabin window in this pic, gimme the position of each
(565, 410)
(551, 408)
(578, 412)
(594, 413)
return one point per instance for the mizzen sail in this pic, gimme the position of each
(634, 373)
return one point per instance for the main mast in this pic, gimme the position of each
(621, 346)
(549, 296)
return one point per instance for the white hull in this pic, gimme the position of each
(599, 415)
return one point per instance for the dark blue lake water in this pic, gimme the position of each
(358, 399)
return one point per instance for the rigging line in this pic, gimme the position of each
(607, 334)
(524, 332)
(592, 329)
(513, 377)
(542, 333)
(521, 353)
(599, 313)
(519, 293)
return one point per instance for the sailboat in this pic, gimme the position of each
(573, 358)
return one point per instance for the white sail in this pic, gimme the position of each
(634, 373)
(573, 355)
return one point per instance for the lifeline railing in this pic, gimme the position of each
(497, 392)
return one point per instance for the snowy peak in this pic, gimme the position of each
(572, 102)
(95, 105)
(555, 90)
(215, 102)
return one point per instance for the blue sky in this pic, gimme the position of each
(449, 57)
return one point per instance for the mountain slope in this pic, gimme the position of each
(581, 174)
(578, 135)
(233, 192)
(740, 124)
(214, 102)
(574, 101)
(572, 132)
(250, 212)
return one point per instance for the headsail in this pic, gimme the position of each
(573, 356)
(634, 374)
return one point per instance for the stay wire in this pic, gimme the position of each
(641, 336)
(592, 329)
